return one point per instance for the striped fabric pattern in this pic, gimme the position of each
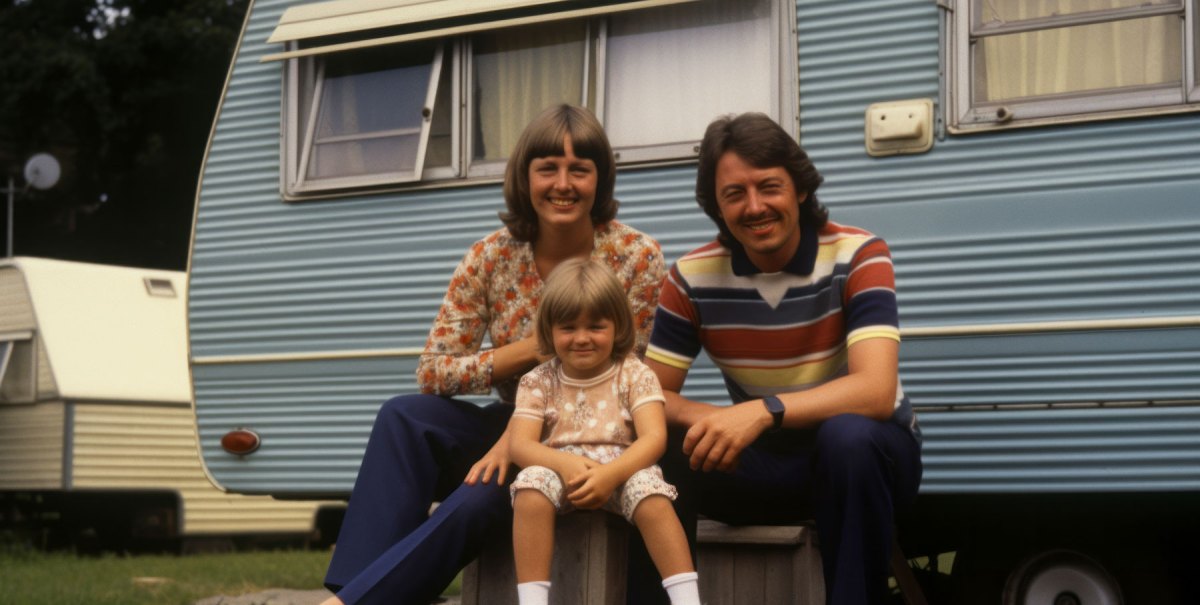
(773, 333)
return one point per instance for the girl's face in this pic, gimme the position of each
(584, 345)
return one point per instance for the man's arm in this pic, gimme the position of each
(717, 435)
(680, 410)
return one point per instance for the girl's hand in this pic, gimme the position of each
(574, 466)
(593, 488)
(497, 460)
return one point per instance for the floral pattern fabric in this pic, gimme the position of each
(495, 291)
(587, 413)
(624, 500)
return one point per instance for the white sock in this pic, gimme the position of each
(533, 593)
(683, 588)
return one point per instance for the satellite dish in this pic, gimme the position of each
(42, 171)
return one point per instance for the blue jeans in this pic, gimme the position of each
(850, 473)
(390, 550)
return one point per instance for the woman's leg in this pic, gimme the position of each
(420, 448)
(533, 535)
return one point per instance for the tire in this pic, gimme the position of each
(1061, 577)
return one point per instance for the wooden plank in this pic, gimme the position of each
(588, 568)
(713, 532)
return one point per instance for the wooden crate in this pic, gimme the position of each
(589, 564)
(759, 564)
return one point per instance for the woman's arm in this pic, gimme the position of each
(649, 270)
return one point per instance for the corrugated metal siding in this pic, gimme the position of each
(31, 446)
(16, 315)
(154, 447)
(1099, 449)
(1092, 221)
(16, 312)
(1076, 222)
(354, 273)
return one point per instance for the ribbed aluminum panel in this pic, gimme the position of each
(31, 446)
(1076, 222)
(1085, 450)
(154, 447)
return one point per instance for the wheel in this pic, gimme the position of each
(1061, 577)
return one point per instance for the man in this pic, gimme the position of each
(799, 314)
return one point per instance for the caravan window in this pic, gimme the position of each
(449, 104)
(18, 372)
(1024, 62)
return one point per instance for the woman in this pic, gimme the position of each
(558, 192)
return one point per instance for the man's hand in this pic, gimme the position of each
(716, 441)
(592, 488)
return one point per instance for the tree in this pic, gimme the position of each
(123, 92)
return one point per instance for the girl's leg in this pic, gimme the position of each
(663, 534)
(420, 448)
(533, 535)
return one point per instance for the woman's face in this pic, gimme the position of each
(562, 189)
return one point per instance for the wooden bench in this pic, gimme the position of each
(747, 564)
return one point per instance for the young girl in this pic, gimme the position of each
(588, 427)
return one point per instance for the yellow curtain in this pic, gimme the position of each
(1074, 59)
(518, 73)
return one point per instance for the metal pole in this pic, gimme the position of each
(8, 241)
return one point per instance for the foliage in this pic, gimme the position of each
(123, 92)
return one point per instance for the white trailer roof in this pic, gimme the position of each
(110, 333)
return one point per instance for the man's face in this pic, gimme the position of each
(762, 210)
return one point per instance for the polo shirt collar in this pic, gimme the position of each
(802, 262)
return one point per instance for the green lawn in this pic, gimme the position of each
(29, 577)
(37, 578)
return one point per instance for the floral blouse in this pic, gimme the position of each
(495, 291)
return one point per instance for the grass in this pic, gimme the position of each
(33, 577)
(30, 577)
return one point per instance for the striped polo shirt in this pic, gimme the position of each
(781, 332)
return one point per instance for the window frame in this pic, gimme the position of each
(964, 116)
(10, 344)
(464, 169)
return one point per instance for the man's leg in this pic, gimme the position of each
(864, 471)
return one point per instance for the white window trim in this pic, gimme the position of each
(965, 118)
(8, 347)
(463, 170)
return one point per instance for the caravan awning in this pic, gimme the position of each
(358, 20)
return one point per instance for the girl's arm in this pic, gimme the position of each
(526, 450)
(593, 488)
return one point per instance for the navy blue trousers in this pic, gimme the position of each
(390, 549)
(851, 474)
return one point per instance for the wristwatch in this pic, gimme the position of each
(775, 407)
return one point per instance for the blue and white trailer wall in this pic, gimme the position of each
(1039, 185)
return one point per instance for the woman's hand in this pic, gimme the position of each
(592, 488)
(496, 460)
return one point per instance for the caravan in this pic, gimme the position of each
(1033, 166)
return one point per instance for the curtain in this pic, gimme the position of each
(1096, 57)
(519, 72)
(671, 71)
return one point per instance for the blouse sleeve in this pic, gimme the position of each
(649, 271)
(452, 363)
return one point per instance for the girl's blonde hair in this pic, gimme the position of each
(585, 287)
